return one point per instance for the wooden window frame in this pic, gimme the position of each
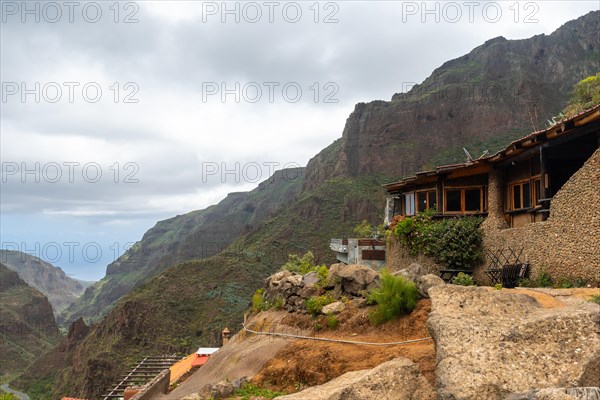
(532, 195)
(463, 190)
(427, 203)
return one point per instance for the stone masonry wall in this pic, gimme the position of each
(397, 257)
(566, 245)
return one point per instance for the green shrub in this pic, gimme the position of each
(595, 299)
(524, 282)
(366, 230)
(332, 321)
(498, 286)
(306, 264)
(249, 391)
(315, 304)
(463, 279)
(543, 279)
(261, 303)
(395, 296)
(455, 243)
(258, 300)
(8, 396)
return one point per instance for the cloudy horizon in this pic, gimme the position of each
(117, 115)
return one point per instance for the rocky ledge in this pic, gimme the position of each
(492, 344)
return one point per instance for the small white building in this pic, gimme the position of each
(367, 252)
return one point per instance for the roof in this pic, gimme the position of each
(206, 350)
(561, 128)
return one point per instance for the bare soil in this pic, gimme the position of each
(304, 363)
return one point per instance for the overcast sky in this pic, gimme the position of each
(117, 115)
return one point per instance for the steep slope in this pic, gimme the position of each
(187, 304)
(501, 90)
(27, 326)
(198, 234)
(40, 378)
(45, 277)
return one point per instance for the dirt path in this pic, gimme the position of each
(305, 363)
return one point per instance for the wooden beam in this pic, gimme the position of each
(440, 193)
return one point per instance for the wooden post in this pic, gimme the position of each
(545, 180)
(543, 172)
(440, 194)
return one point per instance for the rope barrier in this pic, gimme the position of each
(288, 335)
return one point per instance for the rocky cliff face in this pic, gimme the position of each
(45, 277)
(27, 326)
(501, 90)
(41, 375)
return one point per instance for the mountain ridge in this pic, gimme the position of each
(197, 234)
(60, 289)
(27, 325)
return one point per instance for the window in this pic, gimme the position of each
(521, 195)
(464, 200)
(526, 195)
(409, 204)
(432, 199)
(453, 201)
(473, 200)
(537, 194)
(426, 200)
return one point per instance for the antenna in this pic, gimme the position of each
(485, 153)
(469, 157)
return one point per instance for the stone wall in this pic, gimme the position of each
(566, 245)
(157, 386)
(397, 257)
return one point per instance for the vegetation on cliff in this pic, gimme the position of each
(27, 325)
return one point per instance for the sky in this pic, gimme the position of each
(115, 115)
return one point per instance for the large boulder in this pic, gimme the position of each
(578, 393)
(333, 308)
(398, 379)
(352, 279)
(426, 282)
(494, 343)
(413, 272)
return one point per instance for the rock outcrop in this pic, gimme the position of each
(399, 379)
(414, 272)
(491, 344)
(579, 393)
(294, 289)
(426, 282)
(351, 279)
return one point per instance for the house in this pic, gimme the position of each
(541, 194)
(367, 252)
(202, 355)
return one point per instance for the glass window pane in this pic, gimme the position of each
(453, 200)
(526, 195)
(538, 190)
(473, 200)
(410, 204)
(432, 200)
(516, 197)
(422, 201)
